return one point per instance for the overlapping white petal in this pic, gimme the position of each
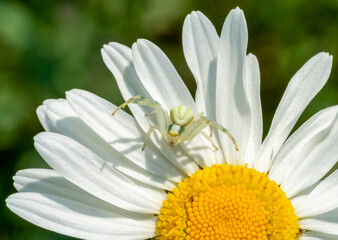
(63, 118)
(232, 106)
(118, 59)
(41, 112)
(304, 85)
(325, 223)
(298, 200)
(78, 219)
(155, 72)
(314, 160)
(85, 169)
(322, 198)
(310, 235)
(253, 90)
(200, 47)
(69, 210)
(288, 159)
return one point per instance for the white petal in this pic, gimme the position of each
(41, 111)
(122, 132)
(253, 91)
(284, 162)
(118, 59)
(79, 219)
(48, 181)
(232, 106)
(159, 76)
(200, 46)
(314, 160)
(324, 223)
(69, 124)
(322, 199)
(26, 181)
(85, 169)
(298, 200)
(309, 235)
(304, 85)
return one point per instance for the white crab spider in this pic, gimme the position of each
(182, 124)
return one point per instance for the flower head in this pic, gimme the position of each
(102, 186)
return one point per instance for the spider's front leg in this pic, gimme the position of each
(162, 115)
(209, 139)
(162, 123)
(220, 127)
(151, 129)
(140, 100)
(196, 127)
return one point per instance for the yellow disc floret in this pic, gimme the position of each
(227, 202)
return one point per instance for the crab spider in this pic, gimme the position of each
(182, 125)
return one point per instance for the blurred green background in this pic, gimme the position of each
(48, 47)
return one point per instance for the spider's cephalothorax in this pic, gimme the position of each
(182, 125)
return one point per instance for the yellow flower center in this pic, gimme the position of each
(227, 202)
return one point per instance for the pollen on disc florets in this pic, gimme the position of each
(227, 202)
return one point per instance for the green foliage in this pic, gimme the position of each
(49, 47)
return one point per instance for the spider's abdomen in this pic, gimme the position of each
(181, 115)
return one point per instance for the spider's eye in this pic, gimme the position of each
(175, 130)
(181, 115)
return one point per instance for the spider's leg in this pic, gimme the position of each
(194, 126)
(140, 100)
(198, 116)
(149, 114)
(220, 127)
(131, 100)
(209, 139)
(151, 129)
(193, 129)
(162, 119)
(166, 118)
(210, 130)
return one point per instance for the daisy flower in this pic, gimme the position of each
(102, 186)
